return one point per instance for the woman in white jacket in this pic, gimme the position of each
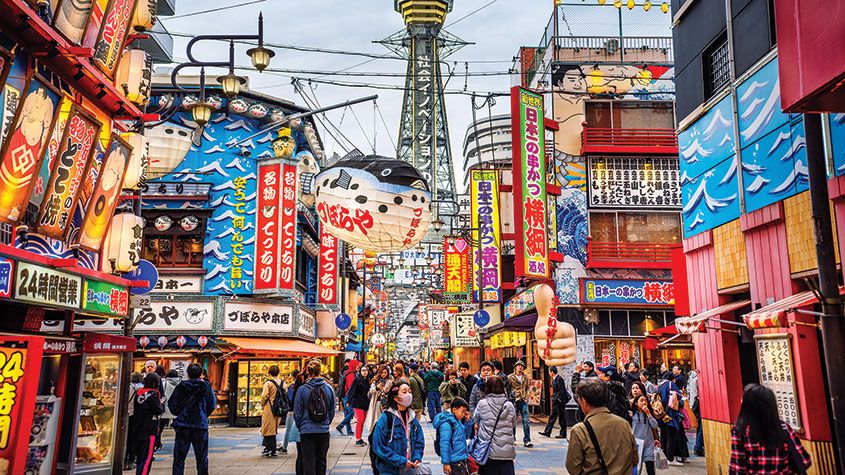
(495, 418)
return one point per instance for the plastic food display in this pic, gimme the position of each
(555, 340)
(251, 378)
(97, 410)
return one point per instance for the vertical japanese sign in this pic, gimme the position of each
(487, 258)
(104, 196)
(456, 281)
(70, 166)
(23, 151)
(529, 177)
(113, 30)
(236, 275)
(327, 278)
(774, 358)
(287, 270)
(267, 228)
(20, 358)
(424, 102)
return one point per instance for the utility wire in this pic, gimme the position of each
(471, 13)
(185, 15)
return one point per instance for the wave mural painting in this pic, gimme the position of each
(711, 199)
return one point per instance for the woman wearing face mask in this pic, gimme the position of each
(360, 401)
(398, 441)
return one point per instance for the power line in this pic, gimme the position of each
(185, 15)
(471, 13)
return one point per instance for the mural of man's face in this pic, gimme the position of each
(36, 112)
(573, 81)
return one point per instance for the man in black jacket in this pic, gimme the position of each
(560, 396)
(192, 402)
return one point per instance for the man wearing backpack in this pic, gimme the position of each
(313, 411)
(191, 402)
(274, 405)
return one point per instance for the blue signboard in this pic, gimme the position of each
(627, 292)
(146, 271)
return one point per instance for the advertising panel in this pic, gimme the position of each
(520, 303)
(529, 177)
(307, 324)
(456, 280)
(20, 360)
(267, 228)
(178, 284)
(627, 292)
(110, 41)
(189, 317)
(71, 164)
(464, 331)
(774, 358)
(104, 198)
(287, 269)
(327, 278)
(48, 287)
(487, 258)
(258, 317)
(103, 297)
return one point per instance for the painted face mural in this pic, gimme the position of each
(72, 18)
(375, 203)
(307, 168)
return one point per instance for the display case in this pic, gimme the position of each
(250, 377)
(95, 426)
(42, 437)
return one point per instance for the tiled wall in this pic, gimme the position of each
(717, 446)
(731, 258)
(798, 216)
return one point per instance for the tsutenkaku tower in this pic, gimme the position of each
(423, 129)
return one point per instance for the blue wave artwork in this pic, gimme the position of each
(711, 199)
(758, 99)
(708, 141)
(837, 138)
(775, 167)
(572, 229)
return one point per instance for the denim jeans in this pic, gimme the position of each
(522, 409)
(699, 434)
(289, 422)
(433, 403)
(348, 413)
(185, 438)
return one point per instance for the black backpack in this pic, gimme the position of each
(617, 401)
(437, 437)
(280, 404)
(318, 406)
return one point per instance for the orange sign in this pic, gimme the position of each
(104, 199)
(20, 359)
(71, 164)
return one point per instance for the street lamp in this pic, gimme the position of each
(201, 111)
(438, 224)
(260, 55)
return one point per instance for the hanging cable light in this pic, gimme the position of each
(646, 5)
(664, 8)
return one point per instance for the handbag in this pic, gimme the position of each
(660, 460)
(424, 468)
(674, 403)
(479, 449)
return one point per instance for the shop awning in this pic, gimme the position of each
(688, 325)
(668, 330)
(278, 346)
(521, 323)
(774, 315)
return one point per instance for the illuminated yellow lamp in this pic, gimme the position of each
(134, 75)
(602, 2)
(231, 84)
(631, 4)
(617, 3)
(201, 113)
(122, 247)
(664, 8)
(145, 15)
(260, 57)
(646, 5)
(136, 169)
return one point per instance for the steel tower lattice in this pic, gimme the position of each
(424, 130)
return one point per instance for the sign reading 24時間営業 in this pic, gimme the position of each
(627, 292)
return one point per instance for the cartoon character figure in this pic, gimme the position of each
(283, 145)
(555, 340)
(306, 168)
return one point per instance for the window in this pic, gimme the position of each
(630, 226)
(717, 70)
(171, 244)
(630, 114)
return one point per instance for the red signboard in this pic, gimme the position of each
(267, 228)
(20, 362)
(812, 65)
(327, 279)
(288, 227)
(104, 343)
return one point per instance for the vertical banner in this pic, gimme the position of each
(327, 278)
(529, 179)
(24, 148)
(456, 280)
(71, 17)
(287, 270)
(267, 228)
(487, 257)
(20, 360)
(70, 166)
(105, 195)
(110, 40)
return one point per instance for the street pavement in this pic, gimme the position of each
(236, 451)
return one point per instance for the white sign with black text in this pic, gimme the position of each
(178, 284)
(258, 317)
(172, 315)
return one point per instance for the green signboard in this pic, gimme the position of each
(105, 298)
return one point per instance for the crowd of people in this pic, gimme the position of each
(625, 419)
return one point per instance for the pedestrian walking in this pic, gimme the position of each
(397, 439)
(451, 389)
(560, 397)
(170, 382)
(192, 402)
(136, 382)
(379, 388)
(617, 397)
(313, 412)
(291, 432)
(273, 405)
(346, 379)
(476, 394)
(631, 376)
(695, 406)
(433, 379)
(359, 400)
(644, 426)
(603, 442)
(417, 390)
(582, 372)
(399, 371)
(147, 409)
(498, 370)
(762, 443)
(451, 441)
(466, 377)
(671, 437)
(493, 447)
(650, 387)
(519, 388)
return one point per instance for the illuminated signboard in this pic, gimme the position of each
(487, 258)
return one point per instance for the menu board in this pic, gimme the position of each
(774, 358)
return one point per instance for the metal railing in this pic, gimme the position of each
(629, 254)
(599, 139)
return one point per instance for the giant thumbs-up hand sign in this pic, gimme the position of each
(555, 340)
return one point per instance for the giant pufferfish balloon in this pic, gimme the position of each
(376, 203)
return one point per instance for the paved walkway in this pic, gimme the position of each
(237, 451)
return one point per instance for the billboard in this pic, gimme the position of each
(627, 292)
(267, 228)
(327, 278)
(487, 257)
(456, 278)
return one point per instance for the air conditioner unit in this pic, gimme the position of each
(611, 45)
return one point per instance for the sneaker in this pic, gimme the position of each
(529, 444)
(699, 453)
(675, 463)
(560, 436)
(350, 433)
(360, 443)
(339, 430)
(282, 450)
(546, 434)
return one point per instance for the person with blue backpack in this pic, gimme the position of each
(450, 443)
(313, 411)
(398, 443)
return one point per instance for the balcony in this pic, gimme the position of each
(633, 255)
(595, 140)
(614, 49)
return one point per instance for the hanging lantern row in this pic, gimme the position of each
(134, 76)
(631, 4)
(164, 222)
(145, 15)
(139, 160)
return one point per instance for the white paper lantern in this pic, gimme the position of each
(145, 15)
(122, 247)
(376, 203)
(169, 143)
(134, 76)
(139, 160)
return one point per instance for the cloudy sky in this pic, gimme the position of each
(496, 27)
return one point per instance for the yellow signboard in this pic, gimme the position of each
(508, 339)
